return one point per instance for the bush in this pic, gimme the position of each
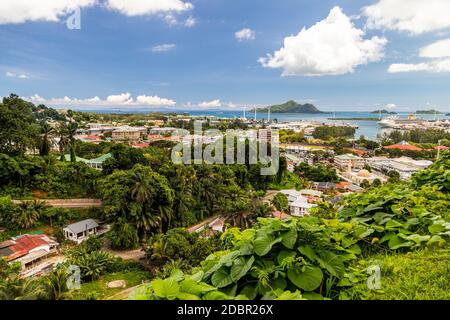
(123, 236)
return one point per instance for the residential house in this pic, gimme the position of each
(30, 250)
(96, 163)
(404, 146)
(325, 186)
(298, 204)
(81, 231)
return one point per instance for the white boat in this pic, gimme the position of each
(388, 122)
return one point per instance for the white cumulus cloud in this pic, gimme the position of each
(164, 47)
(190, 22)
(154, 101)
(10, 74)
(245, 34)
(123, 99)
(412, 16)
(438, 60)
(439, 49)
(210, 104)
(148, 7)
(20, 11)
(333, 46)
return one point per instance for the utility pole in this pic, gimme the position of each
(268, 116)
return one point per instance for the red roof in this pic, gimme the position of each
(404, 146)
(139, 145)
(442, 148)
(343, 185)
(279, 215)
(23, 245)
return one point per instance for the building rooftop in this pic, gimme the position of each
(404, 146)
(22, 245)
(83, 226)
(348, 156)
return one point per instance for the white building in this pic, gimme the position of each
(81, 231)
(405, 166)
(300, 208)
(298, 204)
(349, 162)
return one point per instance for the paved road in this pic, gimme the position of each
(67, 203)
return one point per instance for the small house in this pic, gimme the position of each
(81, 231)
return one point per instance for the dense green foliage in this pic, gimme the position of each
(322, 257)
(419, 136)
(327, 132)
(317, 173)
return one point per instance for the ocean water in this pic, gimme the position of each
(369, 129)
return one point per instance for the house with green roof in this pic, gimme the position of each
(93, 163)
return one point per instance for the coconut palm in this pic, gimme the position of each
(45, 144)
(22, 289)
(28, 214)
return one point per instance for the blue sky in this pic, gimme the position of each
(190, 57)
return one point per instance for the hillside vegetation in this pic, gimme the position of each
(291, 107)
(402, 229)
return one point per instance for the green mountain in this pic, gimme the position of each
(291, 107)
(384, 111)
(428, 112)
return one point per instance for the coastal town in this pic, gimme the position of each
(184, 152)
(325, 162)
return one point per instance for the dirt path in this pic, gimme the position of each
(134, 255)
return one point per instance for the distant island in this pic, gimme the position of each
(384, 111)
(429, 112)
(291, 107)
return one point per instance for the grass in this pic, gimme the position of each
(97, 290)
(419, 275)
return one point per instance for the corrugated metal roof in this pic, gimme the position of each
(83, 226)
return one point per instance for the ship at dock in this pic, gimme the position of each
(412, 122)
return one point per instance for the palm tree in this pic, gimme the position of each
(56, 284)
(28, 214)
(45, 144)
(63, 141)
(22, 289)
(72, 129)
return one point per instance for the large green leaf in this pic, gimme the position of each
(289, 238)
(308, 251)
(264, 243)
(166, 289)
(308, 279)
(332, 262)
(240, 267)
(221, 278)
(396, 243)
(192, 287)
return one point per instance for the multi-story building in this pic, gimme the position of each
(349, 162)
(126, 134)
